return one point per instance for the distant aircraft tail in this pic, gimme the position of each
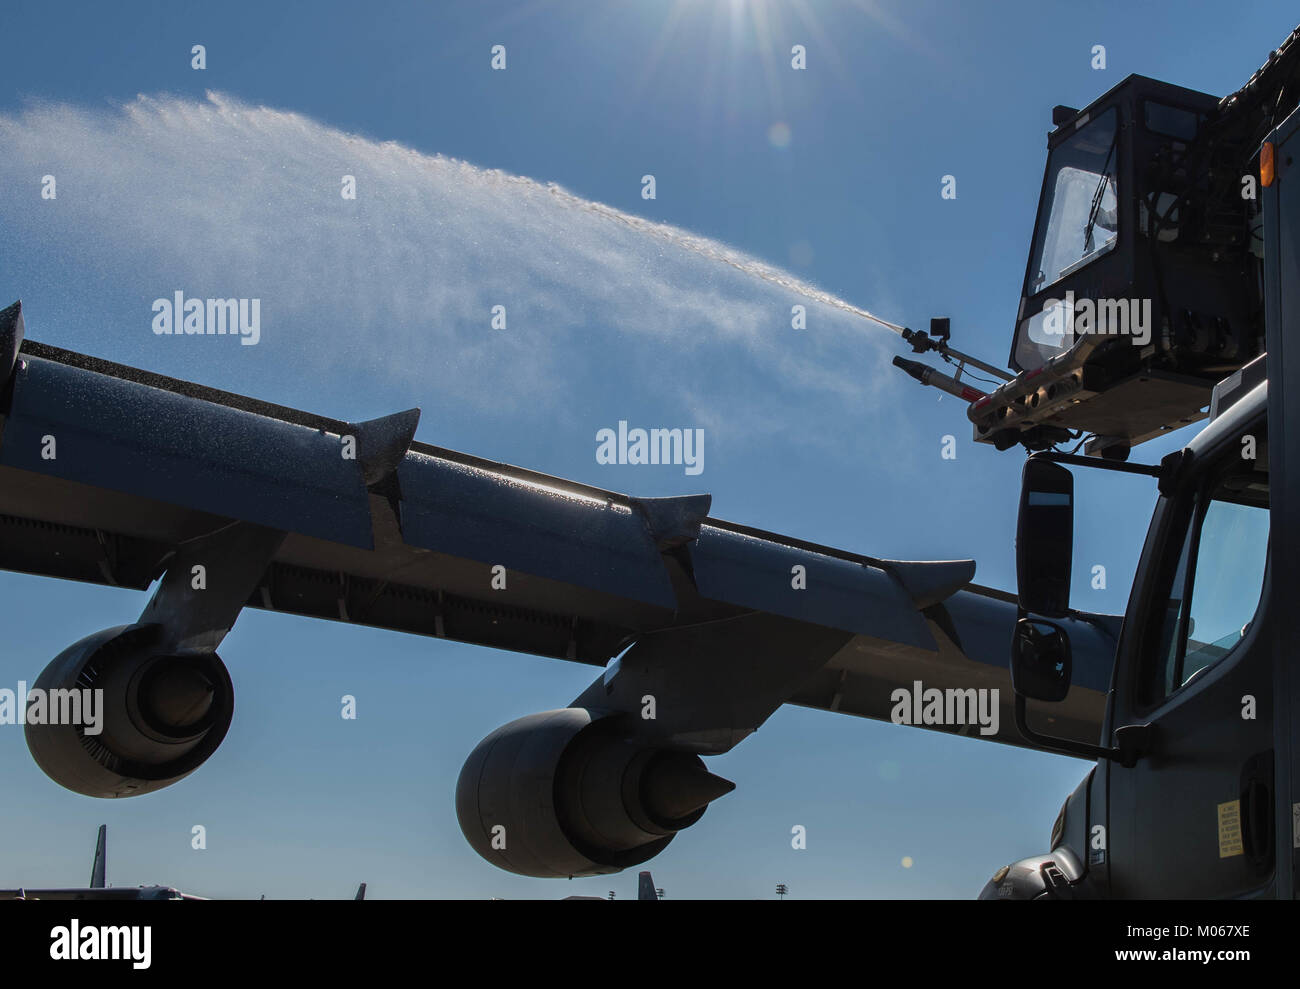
(99, 868)
(646, 887)
(361, 892)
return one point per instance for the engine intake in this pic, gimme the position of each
(162, 714)
(562, 794)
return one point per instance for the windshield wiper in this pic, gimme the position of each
(1097, 197)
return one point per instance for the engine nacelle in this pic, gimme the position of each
(162, 714)
(562, 794)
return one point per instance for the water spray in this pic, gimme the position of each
(715, 251)
(936, 339)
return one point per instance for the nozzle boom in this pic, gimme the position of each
(937, 379)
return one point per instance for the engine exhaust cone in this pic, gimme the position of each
(676, 785)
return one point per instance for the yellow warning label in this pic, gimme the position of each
(1230, 829)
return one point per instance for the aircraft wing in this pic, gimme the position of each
(98, 893)
(118, 476)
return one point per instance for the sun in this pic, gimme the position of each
(736, 32)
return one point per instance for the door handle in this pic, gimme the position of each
(1257, 812)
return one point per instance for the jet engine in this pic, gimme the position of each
(160, 714)
(565, 793)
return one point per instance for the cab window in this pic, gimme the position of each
(1214, 575)
(1077, 219)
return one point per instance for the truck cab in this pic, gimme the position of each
(1193, 794)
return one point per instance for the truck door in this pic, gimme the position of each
(1194, 816)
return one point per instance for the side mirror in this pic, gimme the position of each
(1045, 538)
(1040, 661)
(1040, 671)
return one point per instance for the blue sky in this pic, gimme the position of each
(225, 182)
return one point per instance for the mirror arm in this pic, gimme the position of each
(1134, 740)
(1123, 467)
